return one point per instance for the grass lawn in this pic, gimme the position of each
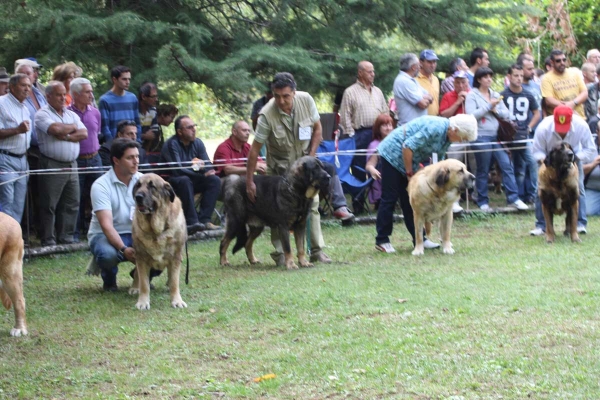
(506, 317)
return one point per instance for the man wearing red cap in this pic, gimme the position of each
(563, 126)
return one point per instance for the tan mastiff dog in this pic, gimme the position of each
(432, 191)
(159, 234)
(11, 271)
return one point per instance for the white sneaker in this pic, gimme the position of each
(456, 208)
(519, 205)
(428, 244)
(485, 207)
(536, 232)
(581, 229)
(385, 248)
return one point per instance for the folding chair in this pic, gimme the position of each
(351, 185)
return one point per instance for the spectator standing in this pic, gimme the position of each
(59, 132)
(532, 83)
(118, 104)
(147, 98)
(563, 85)
(593, 56)
(187, 180)
(524, 111)
(588, 70)
(486, 105)
(457, 64)
(290, 126)
(83, 97)
(362, 102)
(32, 62)
(4, 78)
(15, 137)
(564, 126)
(479, 59)
(429, 81)
(411, 99)
(65, 73)
(592, 100)
(594, 119)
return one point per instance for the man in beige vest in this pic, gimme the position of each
(290, 125)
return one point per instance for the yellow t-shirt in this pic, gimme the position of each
(433, 88)
(564, 87)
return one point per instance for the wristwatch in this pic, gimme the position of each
(122, 251)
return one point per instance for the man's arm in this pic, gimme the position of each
(107, 135)
(448, 110)
(105, 219)
(407, 157)
(346, 109)
(251, 166)
(588, 149)
(23, 127)
(316, 139)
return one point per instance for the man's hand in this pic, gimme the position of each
(251, 191)
(129, 254)
(494, 102)
(462, 96)
(209, 172)
(23, 127)
(375, 174)
(261, 168)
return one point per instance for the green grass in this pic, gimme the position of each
(506, 317)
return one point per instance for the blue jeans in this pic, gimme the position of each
(525, 165)
(13, 194)
(484, 160)
(107, 257)
(86, 179)
(540, 222)
(592, 201)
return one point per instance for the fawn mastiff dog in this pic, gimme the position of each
(159, 233)
(432, 191)
(282, 203)
(11, 271)
(558, 188)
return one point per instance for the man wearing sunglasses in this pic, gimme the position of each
(563, 86)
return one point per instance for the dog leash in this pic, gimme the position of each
(187, 262)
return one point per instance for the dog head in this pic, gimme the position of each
(149, 191)
(454, 175)
(561, 157)
(310, 173)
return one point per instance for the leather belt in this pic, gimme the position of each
(8, 153)
(87, 156)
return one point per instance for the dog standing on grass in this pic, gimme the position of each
(159, 233)
(11, 271)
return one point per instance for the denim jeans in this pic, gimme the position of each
(107, 257)
(484, 161)
(581, 216)
(592, 201)
(12, 195)
(523, 162)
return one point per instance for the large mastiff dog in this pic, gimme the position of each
(282, 203)
(432, 191)
(11, 271)
(159, 234)
(558, 188)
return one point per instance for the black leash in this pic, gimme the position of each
(187, 267)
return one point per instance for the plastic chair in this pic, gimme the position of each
(351, 185)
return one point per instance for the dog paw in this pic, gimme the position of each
(17, 332)
(254, 261)
(178, 304)
(448, 250)
(225, 264)
(134, 290)
(306, 264)
(575, 239)
(418, 252)
(291, 265)
(143, 305)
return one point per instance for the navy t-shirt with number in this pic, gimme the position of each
(521, 107)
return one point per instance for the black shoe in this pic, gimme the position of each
(49, 242)
(67, 241)
(110, 288)
(193, 228)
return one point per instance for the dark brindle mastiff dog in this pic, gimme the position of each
(558, 188)
(11, 271)
(159, 234)
(282, 203)
(432, 191)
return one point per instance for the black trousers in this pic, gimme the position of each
(186, 187)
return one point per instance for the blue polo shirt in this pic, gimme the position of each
(424, 136)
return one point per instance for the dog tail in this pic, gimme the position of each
(241, 239)
(4, 298)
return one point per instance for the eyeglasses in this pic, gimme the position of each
(190, 126)
(560, 60)
(153, 96)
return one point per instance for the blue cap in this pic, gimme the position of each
(460, 74)
(428, 55)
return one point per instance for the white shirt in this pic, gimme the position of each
(12, 113)
(579, 137)
(50, 146)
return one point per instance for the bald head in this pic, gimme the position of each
(589, 72)
(366, 73)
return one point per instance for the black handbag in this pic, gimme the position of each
(506, 130)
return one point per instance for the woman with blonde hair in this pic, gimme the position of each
(65, 73)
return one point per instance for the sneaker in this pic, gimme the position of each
(581, 229)
(385, 248)
(519, 205)
(342, 213)
(320, 257)
(456, 208)
(428, 244)
(485, 207)
(536, 232)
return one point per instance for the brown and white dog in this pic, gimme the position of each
(159, 233)
(432, 191)
(11, 271)
(558, 188)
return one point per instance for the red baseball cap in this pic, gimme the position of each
(563, 116)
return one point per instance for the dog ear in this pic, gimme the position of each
(442, 177)
(549, 159)
(136, 188)
(169, 192)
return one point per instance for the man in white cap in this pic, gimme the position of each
(32, 62)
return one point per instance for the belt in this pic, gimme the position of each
(8, 153)
(87, 156)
